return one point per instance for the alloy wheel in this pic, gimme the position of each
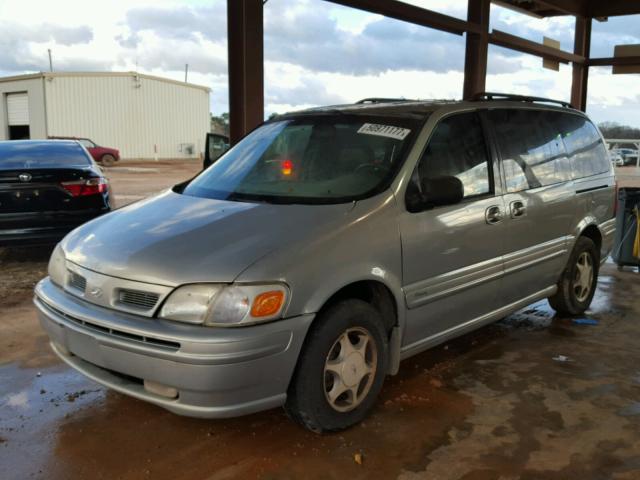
(583, 281)
(350, 368)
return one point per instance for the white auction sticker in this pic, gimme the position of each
(384, 131)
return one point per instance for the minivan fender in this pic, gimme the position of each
(321, 296)
(588, 227)
(392, 284)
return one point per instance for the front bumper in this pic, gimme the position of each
(217, 372)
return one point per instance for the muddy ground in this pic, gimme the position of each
(532, 397)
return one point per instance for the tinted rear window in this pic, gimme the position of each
(541, 147)
(23, 155)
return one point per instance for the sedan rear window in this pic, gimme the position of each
(319, 159)
(23, 155)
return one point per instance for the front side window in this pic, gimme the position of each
(86, 143)
(531, 147)
(216, 147)
(457, 148)
(310, 159)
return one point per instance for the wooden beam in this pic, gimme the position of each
(564, 7)
(246, 66)
(503, 39)
(411, 14)
(546, 8)
(477, 47)
(613, 61)
(612, 8)
(580, 80)
(516, 8)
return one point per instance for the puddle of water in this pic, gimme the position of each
(536, 316)
(32, 406)
(630, 410)
(19, 400)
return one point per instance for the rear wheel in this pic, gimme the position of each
(577, 284)
(341, 369)
(108, 160)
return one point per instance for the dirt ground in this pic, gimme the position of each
(628, 177)
(534, 396)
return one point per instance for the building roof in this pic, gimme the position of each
(101, 74)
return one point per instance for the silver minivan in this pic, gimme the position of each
(327, 246)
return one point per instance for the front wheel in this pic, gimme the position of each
(341, 368)
(577, 285)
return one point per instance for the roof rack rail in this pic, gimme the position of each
(382, 100)
(519, 98)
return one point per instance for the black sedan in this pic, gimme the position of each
(47, 188)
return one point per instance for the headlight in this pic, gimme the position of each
(190, 304)
(225, 305)
(57, 267)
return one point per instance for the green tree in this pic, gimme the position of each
(220, 123)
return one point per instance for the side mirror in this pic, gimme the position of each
(442, 191)
(436, 192)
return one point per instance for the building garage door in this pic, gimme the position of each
(18, 115)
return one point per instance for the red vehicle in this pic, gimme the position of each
(103, 155)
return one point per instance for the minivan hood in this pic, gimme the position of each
(173, 239)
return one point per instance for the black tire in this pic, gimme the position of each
(566, 300)
(108, 160)
(307, 402)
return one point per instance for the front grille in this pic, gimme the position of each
(137, 299)
(156, 342)
(77, 281)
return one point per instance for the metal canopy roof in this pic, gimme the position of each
(246, 58)
(583, 8)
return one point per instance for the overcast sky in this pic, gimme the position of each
(315, 52)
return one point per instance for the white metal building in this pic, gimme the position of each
(143, 116)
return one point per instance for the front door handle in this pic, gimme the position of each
(518, 209)
(493, 215)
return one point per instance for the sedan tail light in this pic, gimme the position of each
(91, 186)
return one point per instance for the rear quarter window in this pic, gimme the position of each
(584, 146)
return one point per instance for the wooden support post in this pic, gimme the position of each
(246, 66)
(582, 47)
(477, 48)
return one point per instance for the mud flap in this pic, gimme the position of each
(394, 351)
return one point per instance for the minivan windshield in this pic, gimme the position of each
(319, 159)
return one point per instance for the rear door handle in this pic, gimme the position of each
(518, 209)
(493, 215)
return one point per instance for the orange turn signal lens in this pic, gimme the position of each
(267, 304)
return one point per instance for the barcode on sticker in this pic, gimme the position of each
(384, 131)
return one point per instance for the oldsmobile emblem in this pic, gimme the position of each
(24, 177)
(95, 292)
